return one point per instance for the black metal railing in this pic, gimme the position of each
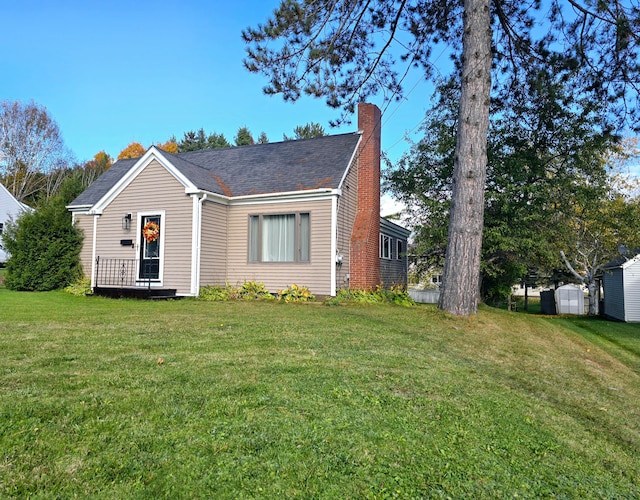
(122, 273)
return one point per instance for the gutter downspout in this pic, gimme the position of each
(94, 239)
(334, 244)
(197, 240)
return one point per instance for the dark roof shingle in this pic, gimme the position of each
(248, 170)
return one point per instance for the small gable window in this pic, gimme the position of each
(279, 238)
(385, 246)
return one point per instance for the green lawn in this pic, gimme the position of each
(110, 399)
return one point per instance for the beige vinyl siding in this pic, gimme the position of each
(315, 274)
(347, 208)
(154, 190)
(213, 245)
(85, 222)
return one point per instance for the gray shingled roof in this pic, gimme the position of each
(259, 169)
(104, 183)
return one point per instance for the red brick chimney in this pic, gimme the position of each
(365, 238)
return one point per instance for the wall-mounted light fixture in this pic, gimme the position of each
(126, 222)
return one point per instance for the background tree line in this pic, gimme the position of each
(554, 184)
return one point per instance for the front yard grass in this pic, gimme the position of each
(109, 398)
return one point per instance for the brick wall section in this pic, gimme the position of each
(365, 262)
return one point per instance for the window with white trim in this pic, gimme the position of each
(385, 247)
(279, 237)
(400, 250)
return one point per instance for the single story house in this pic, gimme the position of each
(621, 286)
(10, 209)
(304, 212)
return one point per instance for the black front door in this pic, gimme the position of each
(150, 248)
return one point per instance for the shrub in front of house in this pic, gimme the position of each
(214, 293)
(44, 246)
(249, 290)
(252, 290)
(395, 295)
(295, 293)
(80, 288)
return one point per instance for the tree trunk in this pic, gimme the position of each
(461, 277)
(593, 297)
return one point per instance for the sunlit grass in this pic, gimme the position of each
(133, 399)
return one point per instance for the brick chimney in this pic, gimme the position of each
(365, 238)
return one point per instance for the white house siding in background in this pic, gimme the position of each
(622, 291)
(10, 208)
(632, 292)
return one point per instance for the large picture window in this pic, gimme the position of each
(279, 238)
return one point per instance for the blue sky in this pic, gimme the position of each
(113, 72)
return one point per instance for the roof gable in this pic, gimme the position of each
(9, 205)
(622, 262)
(280, 167)
(119, 176)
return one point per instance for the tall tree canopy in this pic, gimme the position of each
(347, 51)
(31, 148)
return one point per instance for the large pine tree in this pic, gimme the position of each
(347, 51)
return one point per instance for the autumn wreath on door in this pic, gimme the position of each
(151, 231)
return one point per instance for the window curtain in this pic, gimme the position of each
(278, 238)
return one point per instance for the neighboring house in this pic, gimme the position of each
(304, 212)
(621, 285)
(10, 209)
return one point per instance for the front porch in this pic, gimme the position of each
(125, 278)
